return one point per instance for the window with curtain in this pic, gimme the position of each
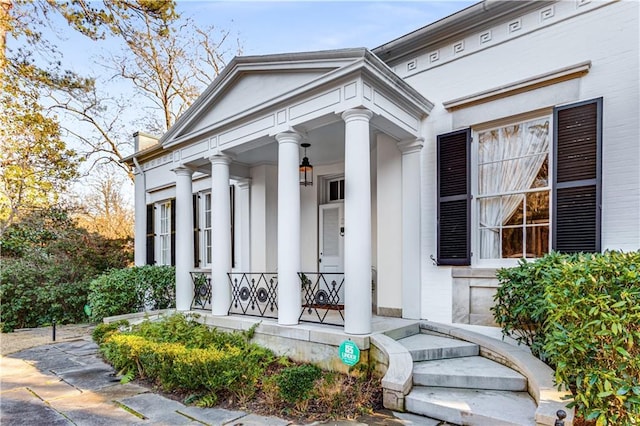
(206, 229)
(513, 190)
(164, 234)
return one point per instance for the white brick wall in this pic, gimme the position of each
(606, 34)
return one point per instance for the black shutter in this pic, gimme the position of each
(196, 233)
(577, 177)
(151, 236)
(454, 198)
(173, 232)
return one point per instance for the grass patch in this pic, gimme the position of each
(198, 365)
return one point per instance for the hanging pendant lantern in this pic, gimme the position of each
(306, 169)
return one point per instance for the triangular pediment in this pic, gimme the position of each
(255, 94)
(249, 84)
(250, 90)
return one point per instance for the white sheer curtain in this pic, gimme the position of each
(509, 160)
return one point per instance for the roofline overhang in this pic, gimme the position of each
(466, 20)
(348, 62)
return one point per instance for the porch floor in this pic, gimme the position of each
(306, 331)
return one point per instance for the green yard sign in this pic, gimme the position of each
(349, 353)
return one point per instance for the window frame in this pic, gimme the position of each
(163, 238)
(205, 217)
(476, 260)
(327, 189)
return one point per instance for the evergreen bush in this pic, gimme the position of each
(47, 264)
(123, 291)
(581, 314)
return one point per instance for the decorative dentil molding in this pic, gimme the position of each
(499, 33)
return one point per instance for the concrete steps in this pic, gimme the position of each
(452, 383)
(472, 372)
(424, 347)
(472, 406)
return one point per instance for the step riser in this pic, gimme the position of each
(472, 407)
(443, 353)
(466, 382)
(452, 415)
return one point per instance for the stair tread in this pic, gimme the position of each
(428, 347)
(472, 406)
(468, 372)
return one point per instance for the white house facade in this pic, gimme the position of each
(504, 131)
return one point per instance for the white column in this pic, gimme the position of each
(411, 229)
(243, 227)
(289, 289)
(357, 222)
(140, 219)
(184, 238)
(221, 230)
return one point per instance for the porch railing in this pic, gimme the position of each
(201, 290)
(322, 297)
(254, 294)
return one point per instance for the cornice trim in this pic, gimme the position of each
(528, 84)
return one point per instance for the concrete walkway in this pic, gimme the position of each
(68, 384)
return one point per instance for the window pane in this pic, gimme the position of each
(207, 211)
(513, 210)
(333, 191)
(512, 243)
(207, 244)
(512, 159)
(490, 212)
(490, 243)
(542, 178)
(538, 207)
(537, 241)
(342, 189)
(489, 178)
(488, 146)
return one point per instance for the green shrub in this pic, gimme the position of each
(581, 314)
(593, 332)
(33, 296)
(122, 291)
(230, 364)
(102, 330)
(520, 305)
(47, 264)
(296, 383)
(185, 357)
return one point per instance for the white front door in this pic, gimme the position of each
(331, 238)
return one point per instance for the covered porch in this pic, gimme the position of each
(313, 253)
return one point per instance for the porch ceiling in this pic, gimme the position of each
(327, 146)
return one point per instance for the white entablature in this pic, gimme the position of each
(257, 97)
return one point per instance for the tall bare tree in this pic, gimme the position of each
(167, 62)
(35, 163)
(104, 209)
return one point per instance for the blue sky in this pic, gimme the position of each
(289, 26)
(265, 27)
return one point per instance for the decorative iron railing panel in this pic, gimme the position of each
(322, 297)
(254, 293)
(201, 290)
